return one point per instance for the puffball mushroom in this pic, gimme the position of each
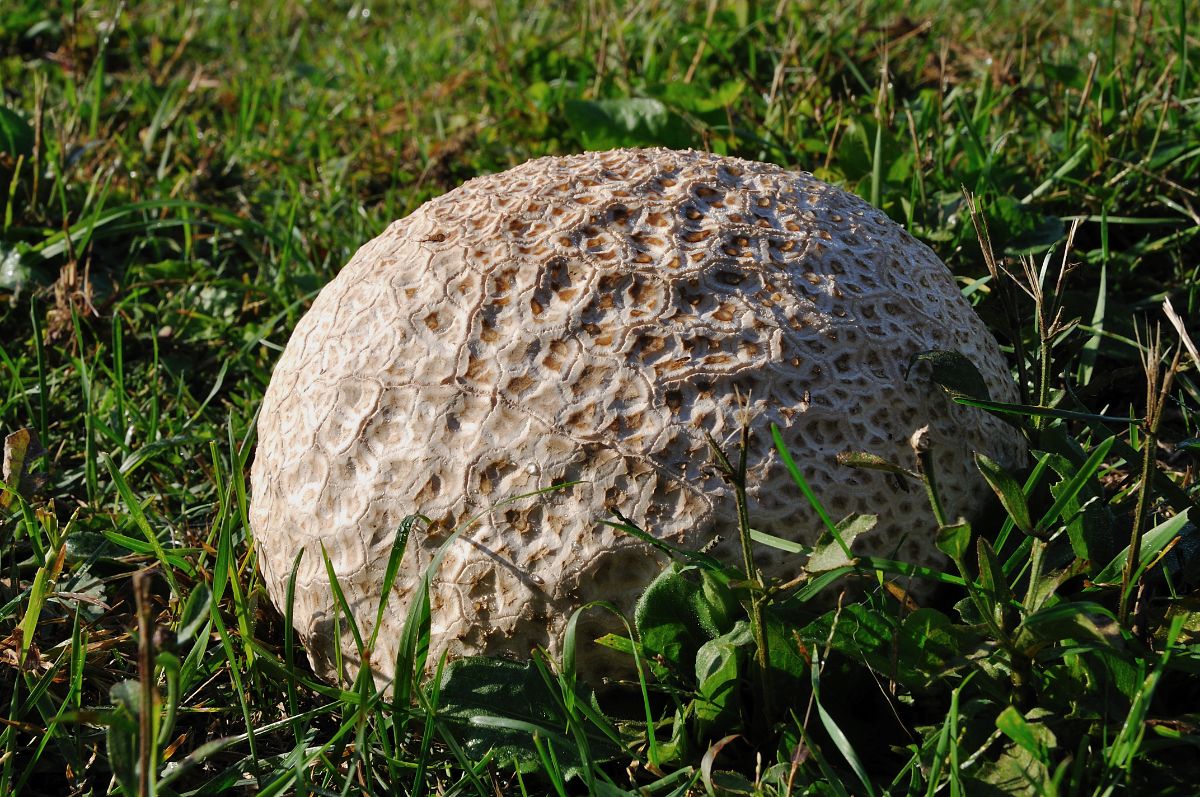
(587, 320)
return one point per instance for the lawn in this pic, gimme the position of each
(178, 180)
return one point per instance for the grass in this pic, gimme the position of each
(177, 181)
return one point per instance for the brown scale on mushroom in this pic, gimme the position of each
(588, 319)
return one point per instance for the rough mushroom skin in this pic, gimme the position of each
(588, 319)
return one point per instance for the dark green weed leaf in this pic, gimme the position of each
(122, 733)
(829, 553)
(857, 632)
(1090, 529)
(195, 614)
(954, 540)
(1089, 520)
(1098, 682)
(732, 783)
(1016, 773)
(626, 122)
(788, 668)
(931, 646)
(17, 271)
(1189, 609)
(1049, 583)
(721, 666)
(1082, 621)
(1075, 483)
(496, 705)
(16, 136)
(1182, 561)
(1034, 737)
(1019, 229)
(682, 609)
(1153, 541)
(954, 372)
(869, 461)
(968, 610)
(702, 99)
(1008, 490)
(994, 587)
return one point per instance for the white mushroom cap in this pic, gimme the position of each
(590, 318)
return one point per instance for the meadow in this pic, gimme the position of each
(178, 180)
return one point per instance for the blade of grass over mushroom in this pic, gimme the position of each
(1032, 411)
(802, 483)
(395, 556)
(342, 607)
(779, 543)
(699, 557)
(954, 372)
(289, 648)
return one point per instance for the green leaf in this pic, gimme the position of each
(954, 540)
(1016, 773)
(496, 705)
(682, 609)
(779, 544)
(1082, 621)
(1003, 410)
(1079, 481)
(856, 631)
(700, 98)
(1153, 541)
(122, 734)
(1089, 520)
(994, 587)
(1036, 738)
(626, 122)
(1089, 528)
(16, 136)
(869, 461)
(16, 270)
(930, 647)
(19, 450)
(954, 372)
(195, 614)
(1019, 229)
(140, 520)
(720, 671)
(829, 553)
(1008, 490)
(787, 671)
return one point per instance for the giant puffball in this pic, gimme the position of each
(589, 320)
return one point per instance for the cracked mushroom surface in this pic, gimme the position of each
(586, 320)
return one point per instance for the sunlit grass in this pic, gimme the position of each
(178, 180)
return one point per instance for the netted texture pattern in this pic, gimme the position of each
(588, 319)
